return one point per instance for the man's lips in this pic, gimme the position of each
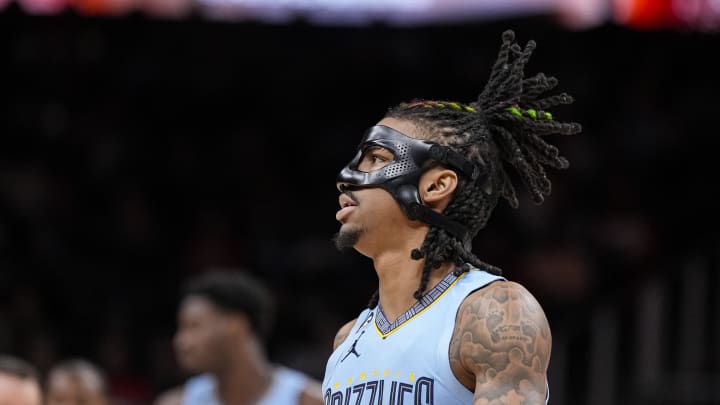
(347, 205)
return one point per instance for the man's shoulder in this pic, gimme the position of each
(173, 396)
(500, 317)
(500, 291)
(311, 393)
(509, 297)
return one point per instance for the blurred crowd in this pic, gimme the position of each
(136, 154)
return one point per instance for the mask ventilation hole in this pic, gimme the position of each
(401, 166)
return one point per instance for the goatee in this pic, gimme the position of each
(346, 239)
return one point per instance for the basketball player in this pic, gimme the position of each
(76, 382)
(444, 327)
(223, 318)
(19, 383)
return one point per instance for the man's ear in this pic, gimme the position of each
(437, 186)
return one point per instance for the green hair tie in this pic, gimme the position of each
(441, 105)
(532, 113)
(548, 116)
(514, 111)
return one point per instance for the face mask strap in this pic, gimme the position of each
(427, 215)
(455, 160)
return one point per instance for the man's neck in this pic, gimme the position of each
(245, 380)
(399, 277)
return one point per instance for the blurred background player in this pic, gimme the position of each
(19, 383)
(222, 322)
(76, 382)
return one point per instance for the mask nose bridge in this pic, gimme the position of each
(355, 162)
(349, 173)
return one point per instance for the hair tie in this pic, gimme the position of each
(531, 112)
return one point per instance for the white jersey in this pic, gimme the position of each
(405, 362)
(286, 389)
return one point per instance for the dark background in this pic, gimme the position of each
(135, 153)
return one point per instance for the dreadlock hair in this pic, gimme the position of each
(503, 128)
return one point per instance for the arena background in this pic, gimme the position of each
(138, 149)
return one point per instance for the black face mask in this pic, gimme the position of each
(411, 157)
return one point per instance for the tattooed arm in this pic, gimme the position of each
(500, 347)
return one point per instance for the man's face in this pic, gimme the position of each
(201, 336)
(18, 391)
(66, 388)
(370, 216)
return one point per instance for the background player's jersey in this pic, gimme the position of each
(286, 388)
(406, 362)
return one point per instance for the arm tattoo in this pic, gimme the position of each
(502, 338)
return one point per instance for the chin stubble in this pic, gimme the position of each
(346, 239)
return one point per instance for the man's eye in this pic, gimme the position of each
(375, 158)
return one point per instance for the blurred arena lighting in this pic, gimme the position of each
(583, 14)
(574, 13)
(701, 15)
(43, 7)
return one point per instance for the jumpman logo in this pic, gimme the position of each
(353, 349)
